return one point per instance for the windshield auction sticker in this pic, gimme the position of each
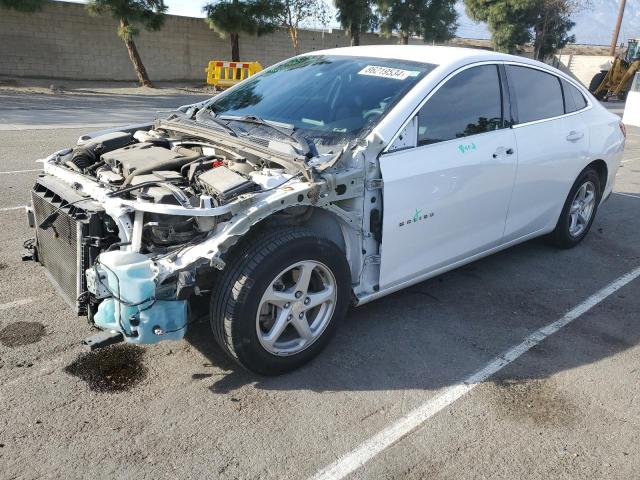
(387, 72)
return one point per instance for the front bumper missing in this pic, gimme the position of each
(69, 249)
(126, 282)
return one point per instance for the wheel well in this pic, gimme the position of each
(323, 222)
(603, 172)
(319, 220)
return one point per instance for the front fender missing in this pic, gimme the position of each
(246, 214)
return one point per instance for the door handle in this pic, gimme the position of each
(574, 136)
(502, 151)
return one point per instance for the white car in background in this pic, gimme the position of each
(332, 178)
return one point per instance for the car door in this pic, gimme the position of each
(447, 178)
(552, 144)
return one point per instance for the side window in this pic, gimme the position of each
(573, 98)
(467, 104)
(538, 94)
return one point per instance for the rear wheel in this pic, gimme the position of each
(579, 210)
(280, 299)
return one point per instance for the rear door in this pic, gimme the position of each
(552, 142)
(448, 183)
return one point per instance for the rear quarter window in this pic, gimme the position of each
(538, 94)
(573, 98)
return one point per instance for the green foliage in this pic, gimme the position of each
(439, 21)
(509, 21)
(22, 5)
(235, 16)
(356, 16)
(148, 13)
(552, 26)
(299, 11)
(433, 20)
(513, 23)
(296, 12)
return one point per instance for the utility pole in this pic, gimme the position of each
(616, 32)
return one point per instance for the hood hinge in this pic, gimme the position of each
(374, 184)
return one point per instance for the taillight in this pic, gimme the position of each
(623, 129)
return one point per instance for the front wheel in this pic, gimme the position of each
(279, 299)
(579, 210)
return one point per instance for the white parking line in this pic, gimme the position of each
(15, 303)
(627, 195)
(20, 171)
(387, 437)
(8, 209)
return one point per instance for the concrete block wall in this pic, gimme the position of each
(63, 41)
(584, 67)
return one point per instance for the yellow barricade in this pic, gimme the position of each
(225, 74)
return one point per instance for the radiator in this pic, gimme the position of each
(73, 241)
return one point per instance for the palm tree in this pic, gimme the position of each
(232, 17)
(433, 20)
(356, 16)
(149, 13)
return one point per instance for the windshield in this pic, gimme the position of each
(330, 99)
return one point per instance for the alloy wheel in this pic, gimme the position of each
(582, 208)
(296, 308)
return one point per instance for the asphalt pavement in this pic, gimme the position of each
(29, 111)
(566, 407)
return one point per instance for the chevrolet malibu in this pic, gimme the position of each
(330, 179)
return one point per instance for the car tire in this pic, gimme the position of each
(596, 81)
(253, 273)
(573, 224)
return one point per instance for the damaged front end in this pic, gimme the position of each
(132, 225)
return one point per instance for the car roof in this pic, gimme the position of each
(435, 55)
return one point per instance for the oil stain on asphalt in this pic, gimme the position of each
(536, 399)
(21, 333)
(113, 369)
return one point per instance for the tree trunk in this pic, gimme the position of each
(141, 72)
(355, 37)
(404, 38)
(293, 33)
(537, 42)
(235, 47)
(540, 36)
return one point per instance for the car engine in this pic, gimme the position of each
(152, 166)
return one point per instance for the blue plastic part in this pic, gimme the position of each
(168, 317)
(130, 277)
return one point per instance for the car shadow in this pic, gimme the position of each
(440, 331)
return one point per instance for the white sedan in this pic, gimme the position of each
(332, 178)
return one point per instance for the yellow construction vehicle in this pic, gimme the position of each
(616, 81)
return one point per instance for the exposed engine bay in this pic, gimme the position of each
(151, 166)
(147, 215)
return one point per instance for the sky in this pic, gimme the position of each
(592, 27)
